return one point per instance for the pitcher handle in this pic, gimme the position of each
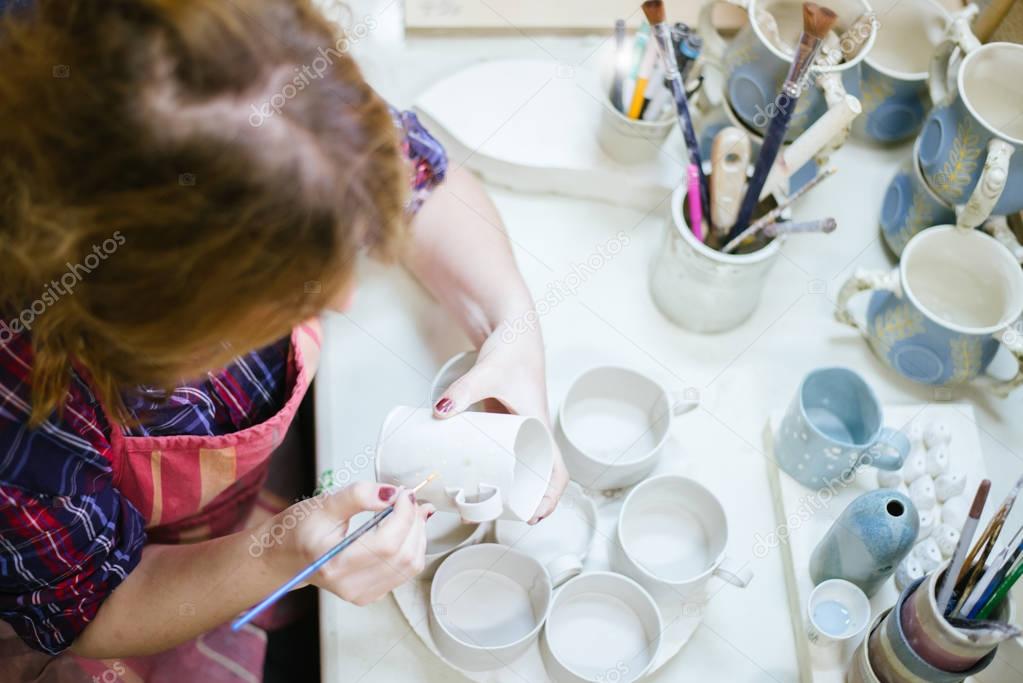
(1012, 339)
(958, 35)
(486, 509)
(864, 281)
(990, 186)
(890, 451)
(729, 570)
(684, 401)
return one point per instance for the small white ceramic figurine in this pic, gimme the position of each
(937, 460)
(954, 511)
(908, 571)
(929, 555)
(915, 467)
(949, 485)
(921, 492)
(928, 520)
(947, 537)
(937, 434)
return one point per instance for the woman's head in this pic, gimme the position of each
(129, 141)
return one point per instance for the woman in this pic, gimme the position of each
(164, 261)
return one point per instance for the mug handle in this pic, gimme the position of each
(1011, 338)
(897, 447)
(713, 53)
(486, 510)
(989, 187)
(864, 281)
(681, 403)
(958, 35)
(730, 571)
(563, 568)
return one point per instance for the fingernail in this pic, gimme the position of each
(444, 405)
(412, 497)
(386, 493)
(430, 514)
(539, 519)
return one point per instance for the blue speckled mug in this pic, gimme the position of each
(754, 65)
(891, 82)
(834, 425)
(911, 206)
(939, 317)
(971, 146)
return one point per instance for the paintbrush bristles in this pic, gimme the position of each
(654, 11)
(817, 20)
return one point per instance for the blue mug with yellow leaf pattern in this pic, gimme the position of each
(940, 316)
(971, 145)
(910, 206)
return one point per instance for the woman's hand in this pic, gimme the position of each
(510, 370)
(379, 561)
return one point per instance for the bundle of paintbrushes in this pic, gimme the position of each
(640, 86)
(978, 578)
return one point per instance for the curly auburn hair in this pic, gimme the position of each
(131, 121)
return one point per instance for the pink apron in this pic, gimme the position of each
(190, 489)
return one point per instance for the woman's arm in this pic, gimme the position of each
(461, 253)
(178, 592)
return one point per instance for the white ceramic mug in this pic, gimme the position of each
(837, 613)
(671, 538)
(487, 605)
(613, 423)
(602, 627)
(489, 465)
(562, 540)
(446, 533)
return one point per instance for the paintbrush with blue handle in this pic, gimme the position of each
(319, 562)
(817, 21)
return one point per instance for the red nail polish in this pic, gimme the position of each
(430, 514)
(539, 519)
(444, 405)
(386, 493)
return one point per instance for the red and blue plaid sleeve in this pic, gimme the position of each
(67, 536)
(426, 156)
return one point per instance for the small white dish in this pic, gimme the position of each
(562, 540)
(602, 627)
(487, 605)
(837, 612)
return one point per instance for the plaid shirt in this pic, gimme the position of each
(68, 535)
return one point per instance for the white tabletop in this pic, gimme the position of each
(385, 350)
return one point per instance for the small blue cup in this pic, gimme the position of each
(833, 426)
(910, 206)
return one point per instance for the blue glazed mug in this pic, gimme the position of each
(833, 426)
(911, 206)
(971, 146)
(939, 317)
(754, 64)
(891, 82)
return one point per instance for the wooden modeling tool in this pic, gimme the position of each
(655, 14)
(824, 225)
(729, 159)
(320, 561)
(817, 21)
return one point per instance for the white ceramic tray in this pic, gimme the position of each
(531, 125)
(815, 515)
(413, 599)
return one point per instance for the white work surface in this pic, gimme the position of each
(385, 351)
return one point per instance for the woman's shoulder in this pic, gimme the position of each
(70, 447)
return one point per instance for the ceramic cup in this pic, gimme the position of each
(489, 465)
(893, 658)
(931, 636)
(970, 145)
(837, 613)
(613, 424)
(671, 538)
(833, 426)
(560, 541)
(487, 605)
(939, 317)
(628, 141)
(755, 66)
(891, 82)
(602, 627)
(446, 533)
(911, 206)
(701, 289)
